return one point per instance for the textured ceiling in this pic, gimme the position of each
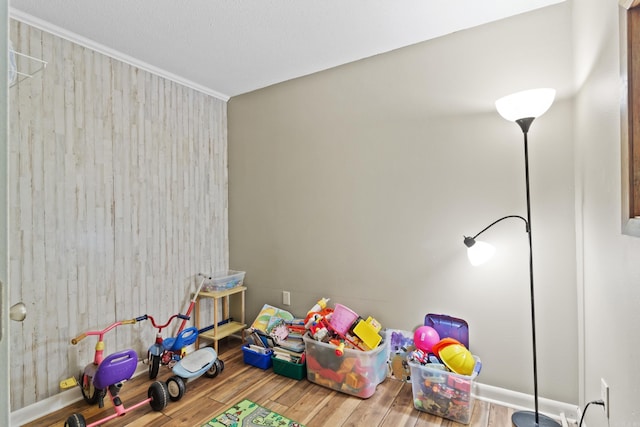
(230, 47)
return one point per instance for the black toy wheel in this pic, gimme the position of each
(75, 420)
(159, 396)
(154, 365)
(89, 392)
(176, 387)
(216, 368)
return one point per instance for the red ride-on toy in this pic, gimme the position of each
(168, 351)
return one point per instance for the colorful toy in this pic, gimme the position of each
(317, 327)
(367, 332)
(204, 361)
(169, 350)
(112, 372)
(458, 359)
(90, 393)
(420, 356)
(342, 319)
(172, 351)
(442, 344)
(105, 375)
(448, 326)
(425, 337)
(339, 346)
(320, 305)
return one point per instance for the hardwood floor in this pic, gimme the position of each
(302, 401)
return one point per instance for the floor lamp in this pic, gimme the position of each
(522, 108)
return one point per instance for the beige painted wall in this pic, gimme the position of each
(609, 261)
(359, 182)
(117, 199)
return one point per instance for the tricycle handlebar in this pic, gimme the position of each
(82, 336)
(79, 338)
(155, 325)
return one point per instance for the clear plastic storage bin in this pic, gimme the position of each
(227, 281)
(355, 372)
(443, 393)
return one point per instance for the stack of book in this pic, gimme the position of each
(292, 347)
(284, 338)
(288, 355)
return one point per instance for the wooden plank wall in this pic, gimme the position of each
(118, 198)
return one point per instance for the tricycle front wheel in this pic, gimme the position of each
(154, 365)
(89, 392)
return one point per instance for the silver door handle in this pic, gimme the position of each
(18, 312)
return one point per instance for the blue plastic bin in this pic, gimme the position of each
(253, 358)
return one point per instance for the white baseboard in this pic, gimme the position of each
(522, 401)
(488, 393)
(54, 403)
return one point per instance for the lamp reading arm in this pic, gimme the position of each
(470, 241)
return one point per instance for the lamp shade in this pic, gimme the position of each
(526, 104)
(480, 253)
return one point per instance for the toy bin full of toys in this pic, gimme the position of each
(353, 372)
(441, 392)
(344, 352)
(443, 370)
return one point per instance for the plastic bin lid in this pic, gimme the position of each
(448, 326)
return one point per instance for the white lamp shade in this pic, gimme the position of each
(525, 104)
(480, 253)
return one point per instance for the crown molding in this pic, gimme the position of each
(112, 53)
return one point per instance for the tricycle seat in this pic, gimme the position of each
(184, 339)
(115, 368)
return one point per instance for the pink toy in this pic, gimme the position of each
(425, 337)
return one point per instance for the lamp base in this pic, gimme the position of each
(528, 419)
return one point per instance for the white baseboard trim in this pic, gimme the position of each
(522, 401)
(54, 403)
(487, 393)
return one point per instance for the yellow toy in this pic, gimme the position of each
(367, 331)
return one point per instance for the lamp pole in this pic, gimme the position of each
(522, 108)
(524, 125)
(525, 418)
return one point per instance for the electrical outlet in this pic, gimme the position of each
(604, 395)
(286, 298)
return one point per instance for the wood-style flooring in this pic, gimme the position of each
(302, 401)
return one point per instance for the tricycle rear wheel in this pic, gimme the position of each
(75, 420)
(216, 368)
(176, 387)
(159, 396)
